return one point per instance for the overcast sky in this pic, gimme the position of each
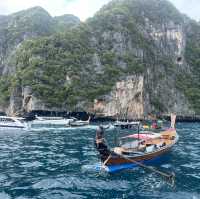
(85, 8)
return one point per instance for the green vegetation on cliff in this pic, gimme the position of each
(69, 64)
(61, 69)
(52, 66)
(5, 90)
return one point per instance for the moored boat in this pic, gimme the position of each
(77, 123)
(51, 121)
(11, 123)
(152, 124)
(126, 124)
(138, 150)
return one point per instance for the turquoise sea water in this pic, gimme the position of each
(60, 163)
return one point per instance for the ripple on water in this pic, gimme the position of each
(60, 163)
(4, 196)
(61, 194)
(46, 184)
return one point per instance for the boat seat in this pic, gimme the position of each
(120, 150)
(150, 148)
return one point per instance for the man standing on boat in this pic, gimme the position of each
(100, 144)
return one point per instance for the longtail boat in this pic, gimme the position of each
(138, 151)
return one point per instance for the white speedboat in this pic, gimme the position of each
(77, 123)
(11, 123)
(51, 121)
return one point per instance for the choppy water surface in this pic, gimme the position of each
(59, 163)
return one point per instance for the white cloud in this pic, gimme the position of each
(188, 7)
(85, 8)
(81, 8)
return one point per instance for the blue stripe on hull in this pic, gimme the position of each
(115, 168)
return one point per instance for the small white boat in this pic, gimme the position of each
(77, 123)
(11, 123)
(51, 121)
(126, 125)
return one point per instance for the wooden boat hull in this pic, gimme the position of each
(116, 163)
(120, 160)
(118, 167)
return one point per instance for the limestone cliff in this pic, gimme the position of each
(14, 30)
(166, 41)
(132, 58)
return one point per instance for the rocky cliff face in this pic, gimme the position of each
(167, 42)
(14, 30)
(26, 25)
(19, 27)
(127, 61)
(126, 100)
(170, 41)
